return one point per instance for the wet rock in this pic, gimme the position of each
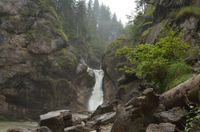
(42, 129)
(163, 127)
(106, 128)
(102, 109)
(125, 123)
(57, 120)
(148, 101)
(79, 118)
(174, 115)
(103, 119)
(106, 118)
(78, 128)
(152, 36)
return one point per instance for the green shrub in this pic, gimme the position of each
(153, 62)
(176, 73)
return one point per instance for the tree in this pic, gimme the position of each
(66, 8)
(81, 17)
(91, 21)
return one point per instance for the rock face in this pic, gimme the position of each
(116, 86)
(37, 64)
(128, 89)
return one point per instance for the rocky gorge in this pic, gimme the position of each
(44, 74)
(40, 70)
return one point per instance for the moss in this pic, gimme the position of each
(61, 56)
(64, 56)
(179, 80)
(33, 9)
(185, 11)
(56, 82)
(61, 33)
(193, 52)
(30, 10)
(149, 10)
(36, 34)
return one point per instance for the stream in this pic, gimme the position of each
(4, 126)
(96, 98)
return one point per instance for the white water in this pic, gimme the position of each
(97, 94)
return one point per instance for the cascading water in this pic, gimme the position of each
(97, 94)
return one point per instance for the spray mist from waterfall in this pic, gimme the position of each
(97, 94)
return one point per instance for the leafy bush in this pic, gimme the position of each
(153, 62)
(193, 117)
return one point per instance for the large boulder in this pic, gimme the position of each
(132, 118)
(57, 121)
(100, 120)
(175, 115)
(102, 109)
(162, 127)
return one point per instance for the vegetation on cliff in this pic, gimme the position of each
(157, 51)
(159, 63)
(160, 48)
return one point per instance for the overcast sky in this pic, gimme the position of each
(120, 7)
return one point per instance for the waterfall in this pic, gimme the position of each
(96, 98)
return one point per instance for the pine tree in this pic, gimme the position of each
(81, 19)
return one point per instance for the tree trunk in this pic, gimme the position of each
(183, 93)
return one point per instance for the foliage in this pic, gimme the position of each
(193, 117)
(139, 24)
(149, 10)
(134, 29)
(176, 73)
(152, 62)
(92, 23)
(64, 57)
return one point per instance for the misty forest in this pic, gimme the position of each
(76, 66)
